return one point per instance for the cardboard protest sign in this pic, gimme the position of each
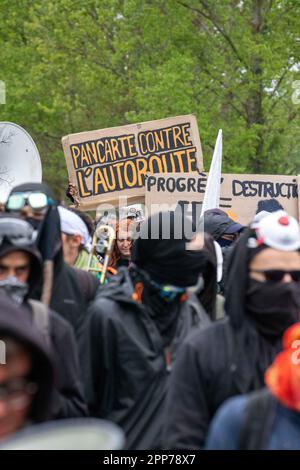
(240, 194)
(109, 163)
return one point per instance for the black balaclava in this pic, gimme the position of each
(165, 261)
(271, 306)
(240, 286)
(255, 349)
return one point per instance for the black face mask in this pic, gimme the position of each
(163, 313)
(273, 306)
(224, 243)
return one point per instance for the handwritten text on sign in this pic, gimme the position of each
(239, 193)
(114, 159)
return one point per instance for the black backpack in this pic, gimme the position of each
(259, 417)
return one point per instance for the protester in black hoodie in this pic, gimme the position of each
(26, 374)
(225, 232)
(20, 271)
(138, 321)
(67, 290)
(230, 356)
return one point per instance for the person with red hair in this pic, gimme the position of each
(125, 233)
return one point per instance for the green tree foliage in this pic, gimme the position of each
(71, 66)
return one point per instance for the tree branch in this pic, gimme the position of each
(212, 18)
(240, 112)
(279, 83)
(276, 102)
(229, 103)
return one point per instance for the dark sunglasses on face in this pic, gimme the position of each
(36, 200)
(277, 275)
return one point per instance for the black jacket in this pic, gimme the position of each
(71, 290)
(68, 397)
(68, 401)
(71, 317)
(228, 358)
(14, 323)
(128, 377)
(212, 366)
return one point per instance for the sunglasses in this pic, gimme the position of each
(276, 275)
(37, 201)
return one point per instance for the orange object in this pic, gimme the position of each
(283, 376)
(184, 297)
(138, 291)
(232, 215)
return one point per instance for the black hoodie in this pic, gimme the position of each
(15, 323)
(68, 399)
(135, 334)
(72, 289)
(127, 376)
(227, 358)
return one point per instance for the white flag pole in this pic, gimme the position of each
(213, 187)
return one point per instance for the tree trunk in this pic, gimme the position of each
(254, 106)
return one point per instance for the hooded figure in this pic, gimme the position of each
(137, 323)
(230, 357)
(16, 331)
(225, 232)
(65, 289)
(16, 236)
(217, 224)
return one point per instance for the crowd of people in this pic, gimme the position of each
(192, 342)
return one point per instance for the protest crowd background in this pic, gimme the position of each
(149, 225)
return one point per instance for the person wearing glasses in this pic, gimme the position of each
(20, 271)
(32, 205)
(64, 288)
(137, 324)
(26, 372)
(232, 355)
